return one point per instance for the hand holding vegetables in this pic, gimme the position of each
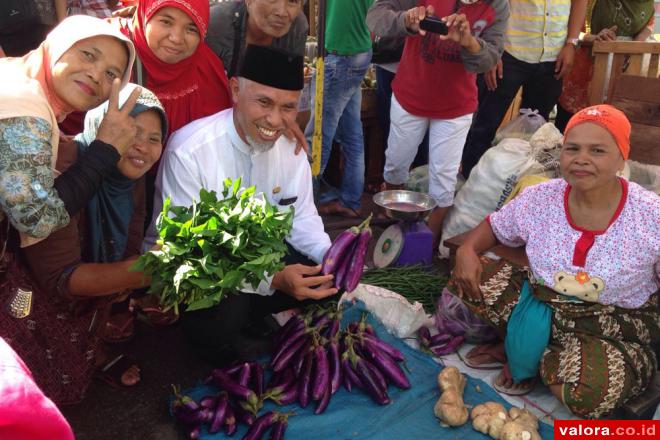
(450, 408)
(215, 247)
(303, 282)
(345, 257)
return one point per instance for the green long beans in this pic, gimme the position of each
(415, 283)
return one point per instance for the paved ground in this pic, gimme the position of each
(140, 413)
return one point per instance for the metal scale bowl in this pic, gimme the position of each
(410, 241)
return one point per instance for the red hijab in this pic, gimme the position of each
(192, 88)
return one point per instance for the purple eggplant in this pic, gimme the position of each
(339, 250)
(187, 416)
(285, 358)
(244, 375)
(304, 384)
(208, 402)
(440, 338)
(195, 432)
(383, 346)
(342, 270)
(220, 413)
(230, 421)
(259, 427)
(424, 336)
(388, 367)
(257, 378)
(335, 366)
(277, 431)
(285, 397)
(292, 340)
(333, 329)
(356, 267)
(447, 348)
(321, 379)
(323, 403)
(244, 416)
(284, 380)
(371, 383)
(351, 378)
(297, 364)
(224, 382)
(295, 323)
(380, 378)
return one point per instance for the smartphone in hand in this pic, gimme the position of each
(435, 25)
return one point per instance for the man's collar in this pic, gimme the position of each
(236, 138)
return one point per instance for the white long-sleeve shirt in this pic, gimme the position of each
(205, 152)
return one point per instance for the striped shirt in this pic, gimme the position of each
(537, 29)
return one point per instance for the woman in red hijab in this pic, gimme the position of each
(174, 62)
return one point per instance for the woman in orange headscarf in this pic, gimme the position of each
(584, 314)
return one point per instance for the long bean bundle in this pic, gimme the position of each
(415, 283)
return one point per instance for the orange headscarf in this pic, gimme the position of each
(611, 119)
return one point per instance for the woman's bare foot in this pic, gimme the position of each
(504, 383)
(486, 356)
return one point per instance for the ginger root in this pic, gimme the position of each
(523, 426)
(489, 418)
(492, 419)
(450, 408)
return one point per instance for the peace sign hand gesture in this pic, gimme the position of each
(118, 128)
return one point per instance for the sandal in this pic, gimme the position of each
(517, 389)
(119, 328)
(155, 315)
(121, 371)
(497, 357)
(336, 208)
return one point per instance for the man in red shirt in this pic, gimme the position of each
(435, 85)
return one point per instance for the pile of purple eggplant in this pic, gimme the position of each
(314, 357)
(239, 401)
(440, 344)
(346, 256)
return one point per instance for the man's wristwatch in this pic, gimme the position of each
(575, 42)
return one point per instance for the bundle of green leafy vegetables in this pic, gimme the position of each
(215, 246)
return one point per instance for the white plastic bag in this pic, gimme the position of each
(418, 180)
(644, 174)
(497, 174)
(400, 317)
(522, 127)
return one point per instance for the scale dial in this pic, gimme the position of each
(389, 245)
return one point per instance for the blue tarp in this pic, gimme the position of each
(355, 416)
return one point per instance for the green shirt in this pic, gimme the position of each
(346, 30)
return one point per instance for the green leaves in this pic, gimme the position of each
(215, 246)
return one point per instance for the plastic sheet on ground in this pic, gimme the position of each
(355, 416)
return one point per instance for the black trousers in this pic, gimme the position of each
(237, 328)
(540, 92)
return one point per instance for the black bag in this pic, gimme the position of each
(16, 15)
(387, 49)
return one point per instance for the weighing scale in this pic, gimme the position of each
(410, 241)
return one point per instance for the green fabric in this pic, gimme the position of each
(630, 16)
(528, 333)
(346, 30)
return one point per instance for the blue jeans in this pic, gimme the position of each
(342, 99)
(540, 92)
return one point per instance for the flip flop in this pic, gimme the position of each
(150, 308)
(119, 328)
(497, 363)
(112, 372)
(513, 391)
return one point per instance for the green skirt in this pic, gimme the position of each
(601, 355)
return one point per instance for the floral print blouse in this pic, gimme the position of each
(27, 196)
